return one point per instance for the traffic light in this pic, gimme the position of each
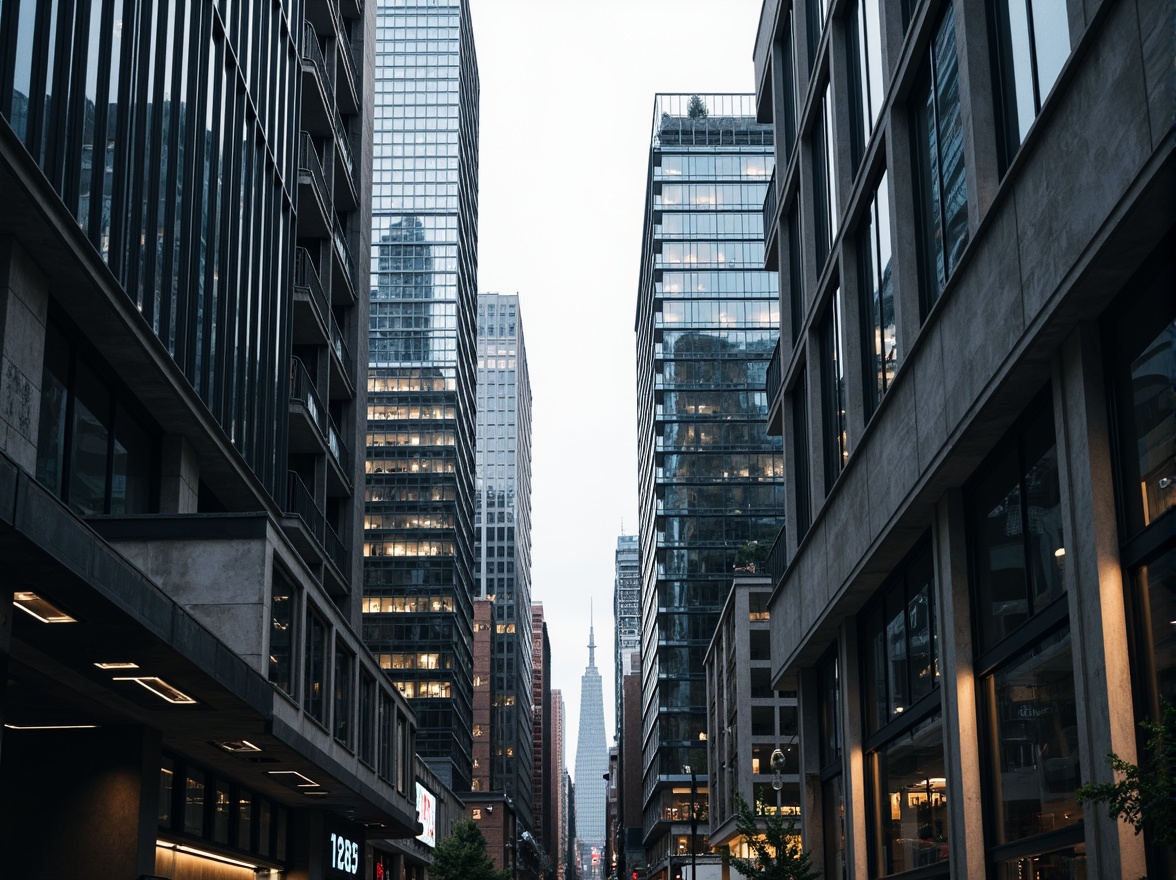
(634, 875)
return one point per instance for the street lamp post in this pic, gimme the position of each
(693, 821)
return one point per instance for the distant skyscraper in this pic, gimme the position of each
(591, 767)
(710, 477)
(542, 805)
(558, 787)
(626, 613)
(420, 452)
(502, 528)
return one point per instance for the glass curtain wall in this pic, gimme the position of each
(712, 480)
(420, 427)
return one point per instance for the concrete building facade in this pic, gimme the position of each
(626, 613)
(544, 804)
(973, 225)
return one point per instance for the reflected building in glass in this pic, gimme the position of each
(502, 526)
(710, 479)
(418, 543)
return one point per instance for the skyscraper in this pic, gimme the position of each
(542, 806)
(558, 786)
(591, 768)
(626, 613)
(502, 525)
(418, 565)
(183, 187)
(710, 479)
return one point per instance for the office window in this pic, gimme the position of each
(866, 80)
(316, 665)
(367, 718)
(815, 13)
(92, 452)
(788, 77)
(800, 455)
(795, 270)
(344, 684)
(833, 392)
(281, 653)
(824, 179)
(941, 185)
(875, 281)
(1032, 43)
(1016, 525)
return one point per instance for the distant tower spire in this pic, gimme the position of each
(591, 637)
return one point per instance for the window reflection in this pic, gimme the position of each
(911, 790)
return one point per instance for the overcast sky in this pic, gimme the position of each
(566, 117)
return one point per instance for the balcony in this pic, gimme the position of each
(348, 94)
(771, 227)
(343, 275)
(311, 312)
(346, 172)
(314, 198)
(317, 86)
(339, 473)
(337, 554)
(342, 365)
(308, 418)
(772, 386)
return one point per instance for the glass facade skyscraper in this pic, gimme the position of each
(502, 525)
(710, 479)
(418, 577)
(591, 789)
(626, 613)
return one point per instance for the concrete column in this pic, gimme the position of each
(1094, 585)
(24, 305)
(6, 612)
(958, 680)
(179, 490)
(857, 841)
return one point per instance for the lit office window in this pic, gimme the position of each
(281, 633)
(316, 665)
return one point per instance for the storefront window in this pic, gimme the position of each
(222, 808)
(910, 791)
(1034, 755)
(167, 781)
(833, 801)
(194, 803)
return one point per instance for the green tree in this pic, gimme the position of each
(1144, 795)
(462, 855)
(696, 108)
(775, 846)
(752, 556)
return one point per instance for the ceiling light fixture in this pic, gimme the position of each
(51, 726)
(45, 611)
(159, 687)
(238, 745)
(306, 782)
(216, 857)
(117, 665)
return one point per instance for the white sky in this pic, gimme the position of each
(566, 116)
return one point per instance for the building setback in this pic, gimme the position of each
(502, 525)
(710, 479)
(418, 542)
(973, 221)
(184, 687)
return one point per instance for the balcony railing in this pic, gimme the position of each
(337, 552)
(345, 58)
(770, 203)
(303, 391)
(300, 503)
(338, 450)
(312, 52)
(778, 558)
(306, 278)
(309, 162)
(340, 348)
(344, 253)
(344, 147)
(775, 374)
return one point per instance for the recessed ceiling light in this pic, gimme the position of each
(34, 606)
(238, 745)
(118, 665)
(50, 726)
(306, 782)
(205, 854)
(319, 793)
(159, 687)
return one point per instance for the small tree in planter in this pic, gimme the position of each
(776, 850)
(462, 855)
(696, 108)
(751, 556)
